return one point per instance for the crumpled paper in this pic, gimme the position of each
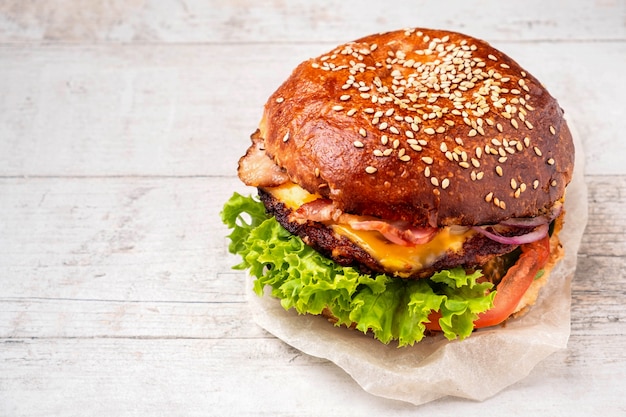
(475, 368)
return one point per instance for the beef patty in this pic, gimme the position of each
(478, 252)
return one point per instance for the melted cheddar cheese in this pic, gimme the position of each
(401, 260)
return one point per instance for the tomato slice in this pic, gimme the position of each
(512, 287)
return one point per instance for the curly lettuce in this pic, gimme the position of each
(392, 309)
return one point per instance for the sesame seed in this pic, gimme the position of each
(499, 127)
(464, 164)
(358, 144)
(370, 169)
(387, 152)
(502, 205)
(491, 57)
(535, 184)
(443, 147)
(383, 126)
(434, 181)
(553, 183)
(409, 134)
(280, 100)
(427, 172)
(337, 108)
(475, 162)
(405, 158)
(445, 183)
(351, 112)
(551, 161)
(345, 97)
(378, 152)
(528, 124)
(514, 123)
(552, 130)
(480, 175)
(527, 141)
(499, 170)
(489, 197)
(384, 139)
(473, 175)
(427, 160)
(537, 151)
(472, 133)
(393, 129)
(286, 137)
(513, 183)
(395, 144)
(429, 131)
(362, 132)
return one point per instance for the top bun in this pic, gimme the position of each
(428, 126)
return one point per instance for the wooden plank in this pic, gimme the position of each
(143, 239)
(75, 110)
(156, 239)
(301, 21)
(266, 377)
(74, 318)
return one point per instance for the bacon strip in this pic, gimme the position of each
(398, 232)
(320, 210)
(257, 169)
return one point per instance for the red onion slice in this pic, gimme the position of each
(538, 233)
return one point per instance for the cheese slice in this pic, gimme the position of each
(292, 195)
(397, 259)
(404, 260)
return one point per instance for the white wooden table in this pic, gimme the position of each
(120, 126)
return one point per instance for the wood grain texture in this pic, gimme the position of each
(120, 126)
(144, 21)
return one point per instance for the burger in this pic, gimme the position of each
(408, 183)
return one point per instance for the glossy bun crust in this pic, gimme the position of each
(428, 126)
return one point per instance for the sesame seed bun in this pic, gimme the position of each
(426, 126)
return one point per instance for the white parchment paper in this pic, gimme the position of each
(475, 368)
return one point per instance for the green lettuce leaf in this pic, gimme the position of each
(392, 309)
